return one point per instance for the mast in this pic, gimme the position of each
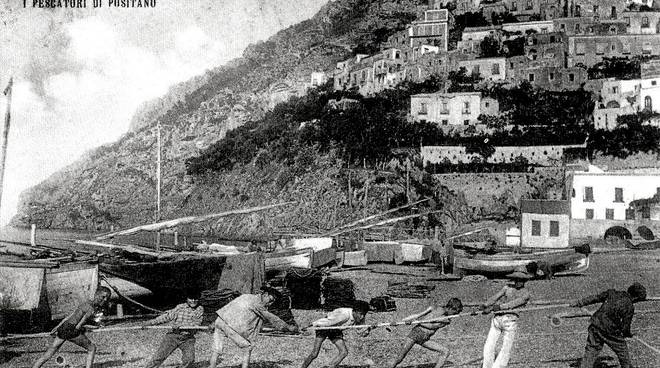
(158, 182)
(5, 135)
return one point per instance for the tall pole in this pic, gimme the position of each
(158, 158)
(5, 135)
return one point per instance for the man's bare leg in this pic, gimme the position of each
(54, 347)
(443, 351)
(318, 341)
(342, 352)
(407, 345)
(246, 357)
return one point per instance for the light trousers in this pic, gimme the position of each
(506, 326)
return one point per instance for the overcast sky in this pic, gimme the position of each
(80, 74)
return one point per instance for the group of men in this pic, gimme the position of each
(240, 321)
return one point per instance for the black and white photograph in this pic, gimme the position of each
(330, 183)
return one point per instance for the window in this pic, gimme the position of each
(496, 69)
(445, 122)
(615, 89)
(646, 212)
(577, 28)
(475, 70)
(579, 48)
(613, 30)
(514, 6)
(554, 228)
(552, 39)
(618, 194)
(609, 214)
(562, 27)
(578, 11)
(653, 83)
(423, 108)
(648, 103)
(552, 76)
(536, 228)
(588, 194)
(589, 214)
(595, 9)
(627, 20)
(445, 107)
(613, 12)
(630, 214)
(531, 77)
(530, 5)
(466, 107)
(600, 48)
(486, 104)
(626, 48)
(466, 122)
(511, 65)
(571, 77)
(645, 22)
(573, 192)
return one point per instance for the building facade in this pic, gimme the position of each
(431, 30)
(544, 223)
(452, 109)
(616, 98)
(592, 49)
(493, 69)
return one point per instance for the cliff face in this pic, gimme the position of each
(114, 185)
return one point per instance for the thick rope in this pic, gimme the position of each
(127, 298)
(439, 319)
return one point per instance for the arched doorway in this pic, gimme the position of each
(617, 234)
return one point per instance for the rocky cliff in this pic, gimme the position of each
(114, 185)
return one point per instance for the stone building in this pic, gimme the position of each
(552, 78)
(602, 9)
(642, 22)
(601, 201)
(616, 98)
(432, 29)
(467, 6)
(493, 69)
(545, 223)
(590, 26)
(452, 110)
(591, 49)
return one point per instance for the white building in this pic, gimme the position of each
(456, 109)
(601, 200)
(617, 97)
(545, 223)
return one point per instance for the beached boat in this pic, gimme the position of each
(302, 253)
(38, 291)
(396, 251)
(501, 263)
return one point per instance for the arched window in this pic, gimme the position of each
(648, 103)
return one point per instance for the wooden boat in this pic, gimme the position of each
(396, 251)
(35, 292)
(560, 260)
(302, 253)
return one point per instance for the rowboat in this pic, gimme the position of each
(35, 292)
(560, 261)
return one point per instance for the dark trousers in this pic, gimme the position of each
(595, 342)
(172, 341)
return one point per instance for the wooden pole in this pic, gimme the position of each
(350, 191)
(33, 235)
(407, 182)
(158, 178)
(5, 135)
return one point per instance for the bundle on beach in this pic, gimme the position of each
(305, 288)
(212, 300)
(413, 290)
(338, 293)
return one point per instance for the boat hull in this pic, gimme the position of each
(55, 290)
(169, 276)
(561, 261)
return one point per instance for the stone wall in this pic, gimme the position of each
(536, 155)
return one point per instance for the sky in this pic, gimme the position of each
(80, 74)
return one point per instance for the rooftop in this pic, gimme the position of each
(546, 207)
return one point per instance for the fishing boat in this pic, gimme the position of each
(38, 291)
(504, 262)
(302, 253)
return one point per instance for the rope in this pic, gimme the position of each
(655, 350)
(94, 329)
(444, 318)
(127, 298)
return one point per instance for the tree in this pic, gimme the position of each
(460, 81)
(490, 47)
(616, 67)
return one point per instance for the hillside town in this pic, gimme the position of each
(478, 186)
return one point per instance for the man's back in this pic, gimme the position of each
(615, 314)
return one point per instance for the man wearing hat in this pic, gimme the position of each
(504, 322)
(189, 313)
(610, 324)
(240, 321)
